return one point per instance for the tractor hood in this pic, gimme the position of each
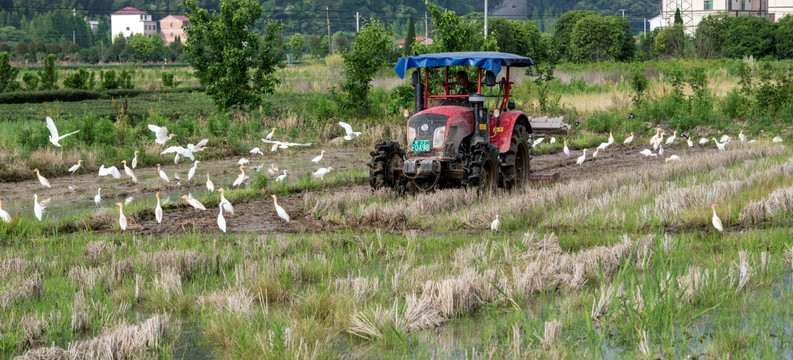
(441, 129)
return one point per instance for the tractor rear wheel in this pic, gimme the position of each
(482, 170)
(515, 162)
(385, 167)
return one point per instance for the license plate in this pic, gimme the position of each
(420, 145)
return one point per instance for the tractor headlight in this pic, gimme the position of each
(411, 135)
(438, 137)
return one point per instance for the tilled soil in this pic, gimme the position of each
(260, 216)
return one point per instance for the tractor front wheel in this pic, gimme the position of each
(515, 170)
(385, 167)
(482, 170)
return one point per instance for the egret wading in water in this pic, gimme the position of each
(38, 207)
(122, 220)
(163, 175)
(158, 209)
(281, 177)
(278, 209)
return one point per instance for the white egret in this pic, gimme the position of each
(163, 175)
(690, 143)
(321, 172)
(44, 182)
(122, 220)
(348, 129)
(283, 145)
(243, 161)
(318, 158)
(495, 224)
(777, 139)
(673, 158)
(240, 178)
(581, 158)
(257, 151)
(611, 138)
(128, 200)
(716, 221)
(655, 137)
(180, 151)
(4, 214)
(158, 209)
(74, 167)
(281, 177)
(660, 150)
(629, 139)
(38, 207)
(725, 138)
(647, 152)
(135, 159)
(55, 139)
(741, 136)
(566, 149)
(671, 139)
(603, 146)
(553, 140)
(129, 172)
(98, 197)
(281, 212)
(270, 135)
(721, 146)
(194, 202)
(537, 142)
(221, 219)
(161, 133)
(595, 154)
(703, 141)
(191, 172)
(210, 185)
(225, 203)
(273, 169)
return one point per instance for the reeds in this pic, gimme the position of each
(29, 288)
(778, 203)
(235, 301)
(370, 324)
(552, 331)
(359, 288)
(169, 281)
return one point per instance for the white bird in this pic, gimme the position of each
(495, 224)
(225, 203)
(655, 137)
(716, 221)
(721, 146)
(161, 133)
(690, 143)
(221, 219)
(321, 172)
(281, 212)
(671, 139)
(270, 135)
(191, 172)
(75, 166)
(243, 161)
(4, 214)
(38, 207)
(163, 175)
(647, 152)
(566, 149)
(581, 158)
(658, 141)
(55, 139)
(777, 139)
(128, 200)
(318, 158)
(98, 197)
(348, 128)
(611, 138)
(194, 202)
(595, 154)
(158, 209)
(741, 136)
(122, 220)
(703, 141)
(44, 182)
(210, 185)
(629, 139)
(603, 146)
(273, 169)
(537, 142)
(673, 158)
(660, 150)
(180, 151)
(240, 178)
(281, 177)
(128, 171)
(256, 150)
(135, 159)
(282, 145)
(724, 138)
(553, 141)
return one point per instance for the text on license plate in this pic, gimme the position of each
(420, 145)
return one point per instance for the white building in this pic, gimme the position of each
(129, 21)
(658, 22)
(693, 11)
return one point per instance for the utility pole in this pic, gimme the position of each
(485, 19)
(327, 17)
(426, 28)
(623, 12)
(74, 38)
(357, 22)
(645, 27)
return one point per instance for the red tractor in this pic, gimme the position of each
(453, 139)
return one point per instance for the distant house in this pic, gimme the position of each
(172, 27)
(419, 39)
(658, 22)
(693, 11)
(130, 21)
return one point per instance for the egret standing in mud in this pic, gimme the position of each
(163, 175)
(240, 178)
(191, 172)
(566, 149)
(44, 182)
(318, 158)
(629, 139)
(281, 212)
(75, 167)
(581, 158)
(98, 197)
(158, 209)
(135, 159)
(129, 172)
(221, 219)
(321, 172)
(210, 185)
(225, 203)
(122, 220)
(194, 202)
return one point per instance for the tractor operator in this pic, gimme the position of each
(466, 87)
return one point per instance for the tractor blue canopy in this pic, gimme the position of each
(489, 60)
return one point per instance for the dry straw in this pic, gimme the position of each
(779, 203)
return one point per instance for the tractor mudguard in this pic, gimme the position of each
(508, 119)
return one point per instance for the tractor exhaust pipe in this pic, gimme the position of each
(418, 90)
(481, 130)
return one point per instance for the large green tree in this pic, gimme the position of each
(709, 36)
(455, 33)
(8, 74)
(521, 38)
(234, 63)
(368, 54)
(410, 37)
(563, 30)
(749, 35)
(784, 37)
(296, 43)
(146, 48)
(670, 41)
(596, 38)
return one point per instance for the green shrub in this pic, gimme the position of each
(167, 80)
(8, 74)
(260, 182)
(108, 79)
(79, 79)
(49, 75)
(31, 81)
(402, 97)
